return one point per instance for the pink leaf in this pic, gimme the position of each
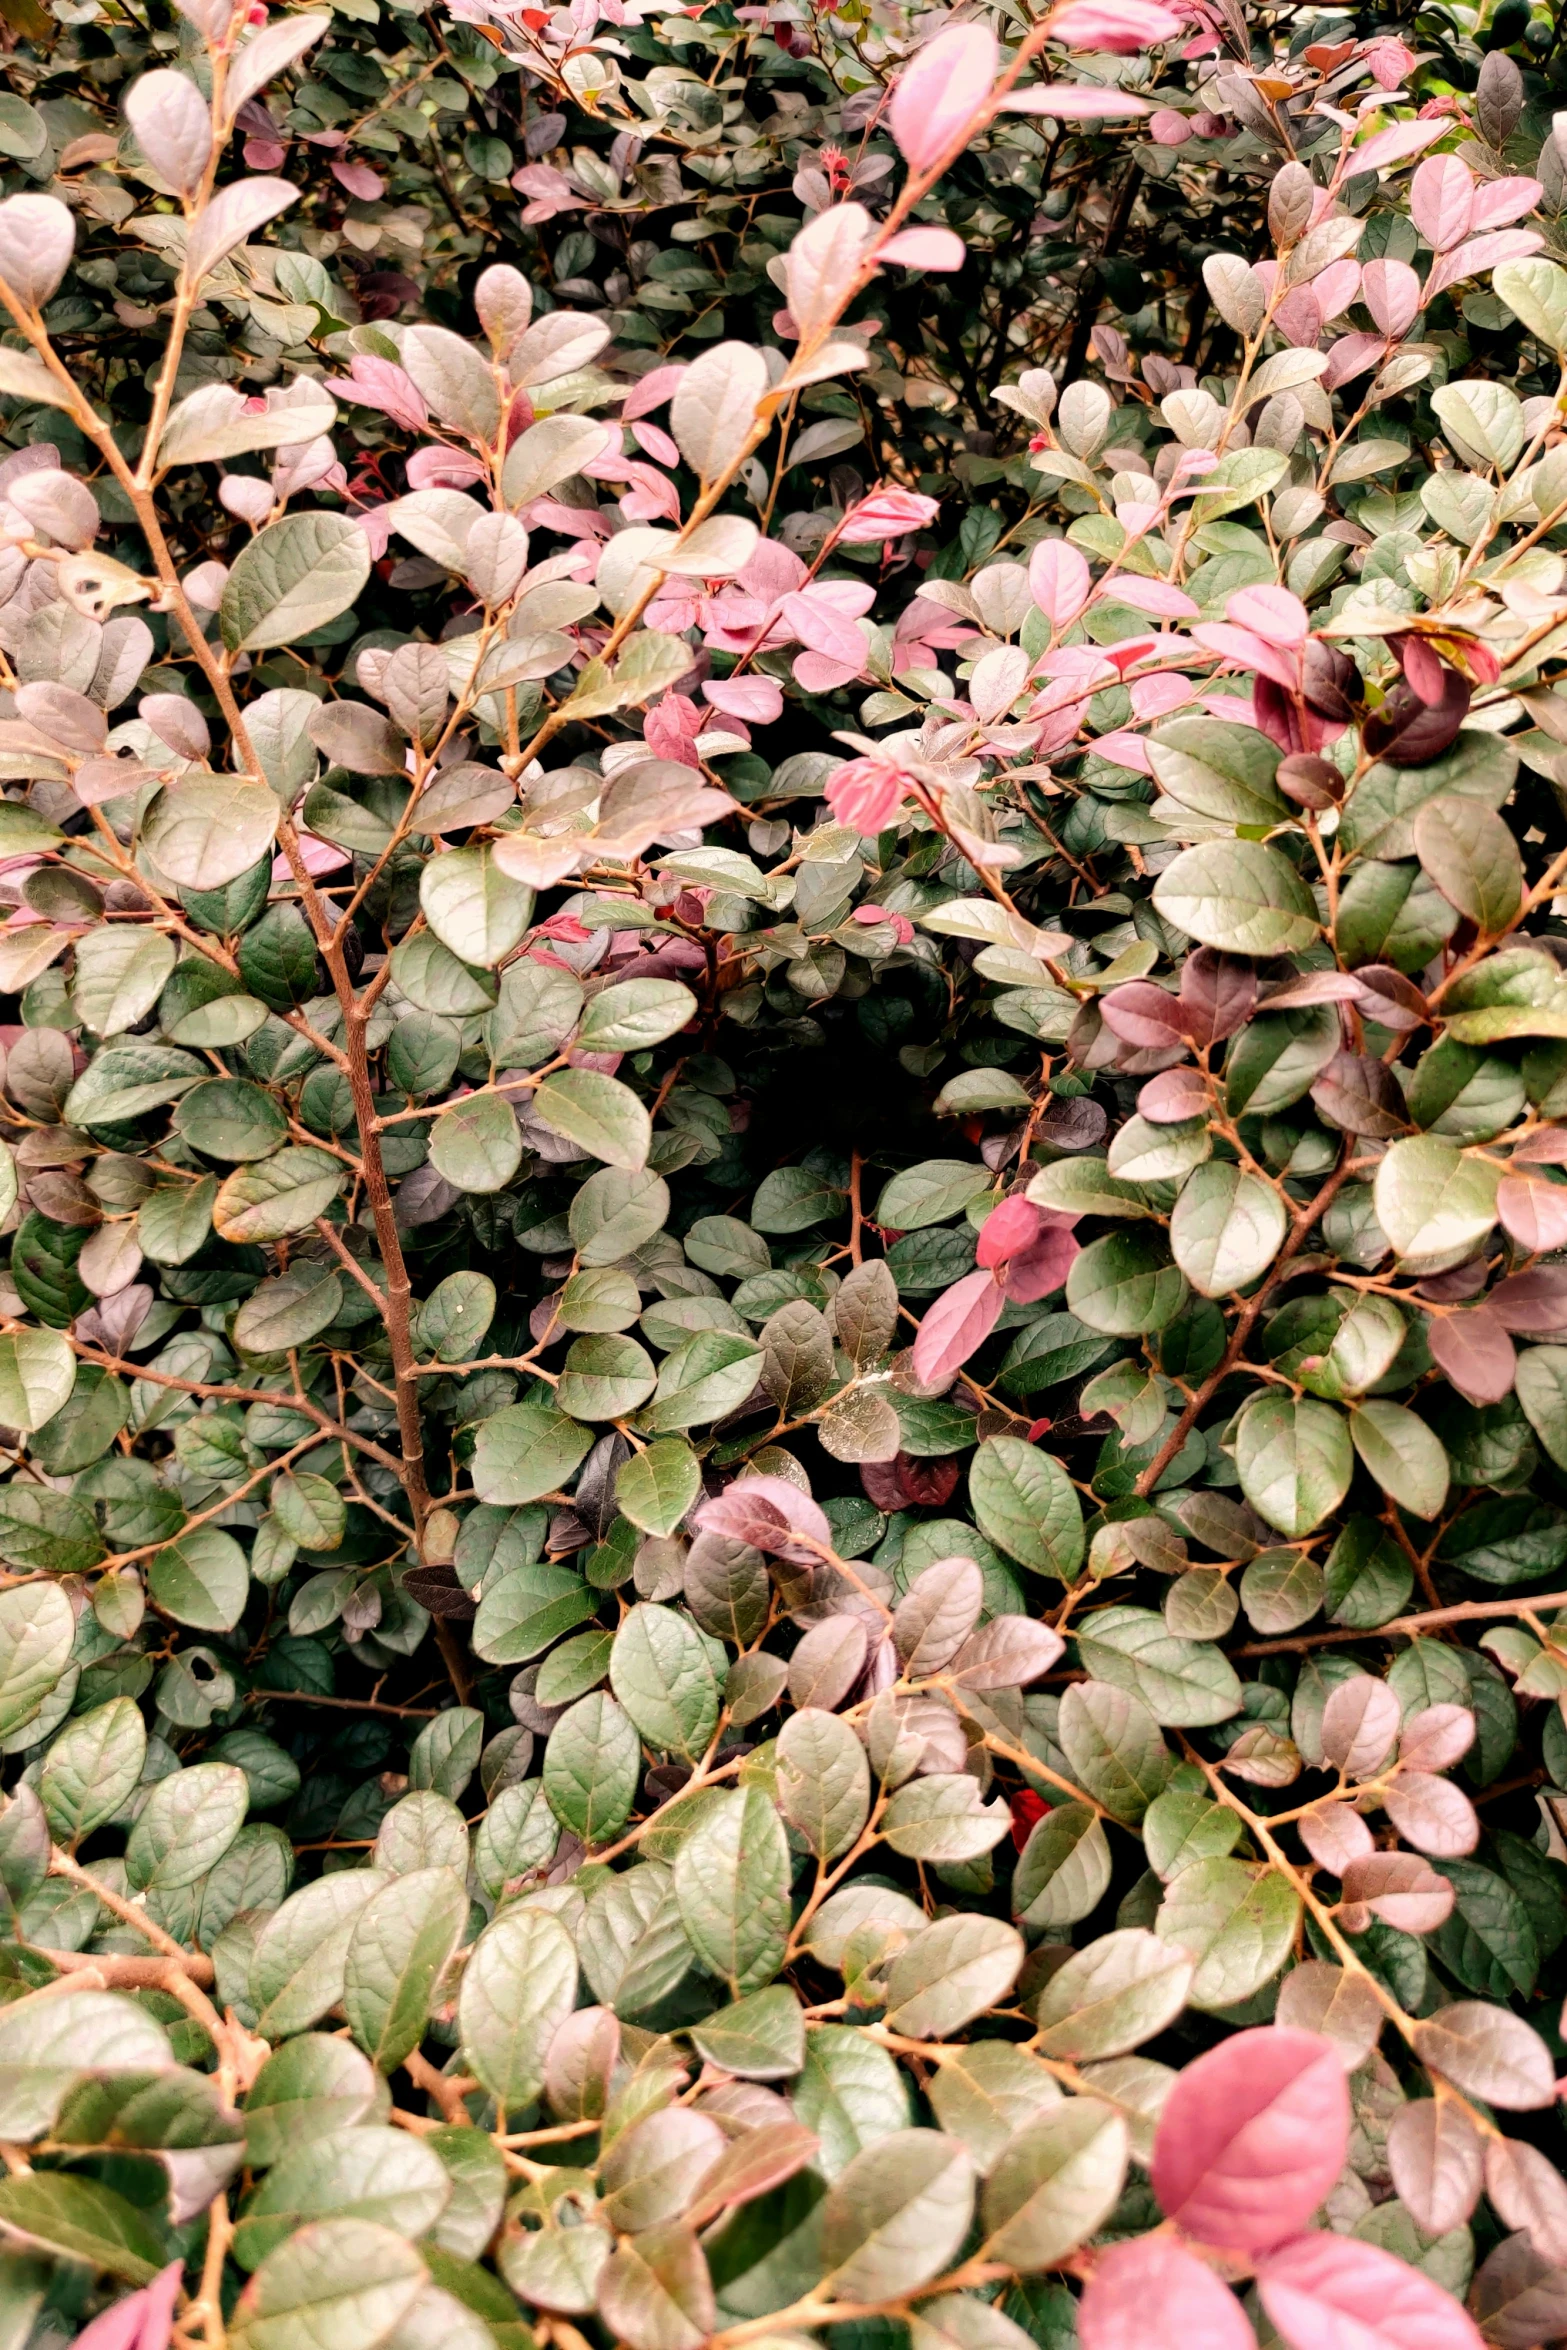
(1336, 1836)
(1245, 650)
(359, 180)
(1121, 26)
(1008, 1230)
(757, 699)
(1039, 1270)
(1437, 1737)
(924, 248)
(1124, 748)
(1359, 1724)
(866, 794)
(1154, 2290)
(1391, 292)
(1299, 318)
(1441, 198)
(1272, 611)
(886, 514)
(1252, 2137)
(939, 93)
(1059, 581)
(1148, 595)
(1398, 144)
(1475, 1353)
(1509, 244)
(1350, 356)
(1432, 1814)
(1336, 287)
(1327, 2292)
(959, 1322)
(1502, 200)
(1071, 102)
(1401, 1889)
(651, 391)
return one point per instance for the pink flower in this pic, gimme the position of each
(867, 794)
(886, 514)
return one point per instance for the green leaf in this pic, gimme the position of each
(732, 1885)
(202, 1580)
(824, 1781)
(292, 578)
(403, 1937)
(599, 1114)
(1472, 857)
(279, 1195)
(1124, 1284)
(343, 2281)
(129, 1080)
(1406, 1458)
(927, 1194)
(1026, 1504)
(527, 1451)
(1295, 1461)
(635, 1014)
(1239, 896)
(120, 974)
(711, 1375)
(37, 1374)
(1535, 291)
(591, 1768)
(1236, 1921)
(291, 1310)
(37, 1629)
(605, 1378)
(187, 1823)
(518, 1987)
(296, 1974)
(478, 1145)
(951, 1973)
(1063, 1871)
(758, 2039)
(372, 2173)
(897, 2215)
(1222, 772)
(78, 2219)
(1434, 1203)
(1185, 1684)
(92, 1768)
(80, 2036)
(1226, 1229)
(662, 1674)
(1055, 2185)
(1125, 1988)
(453, 1319)
(205, 833)
(657, 1486)
(476, 911)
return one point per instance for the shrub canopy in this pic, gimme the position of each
(784, 1155)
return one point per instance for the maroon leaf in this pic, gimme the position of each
(1218, 995)
(1361, 1094)
(1390, 999)
(1006, 1653)
(1437, 1737)
(1475, 1352)
(1435, 2154)
(1533, 1213)
(1312, 987)
(1335, 1835)
(905, 1484)
(1546, 1147)
(771, 1515)
(1145, 1015)
(1533, 1304)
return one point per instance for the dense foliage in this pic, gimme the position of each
(783, 1358)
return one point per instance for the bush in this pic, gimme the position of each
(784, 1360)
